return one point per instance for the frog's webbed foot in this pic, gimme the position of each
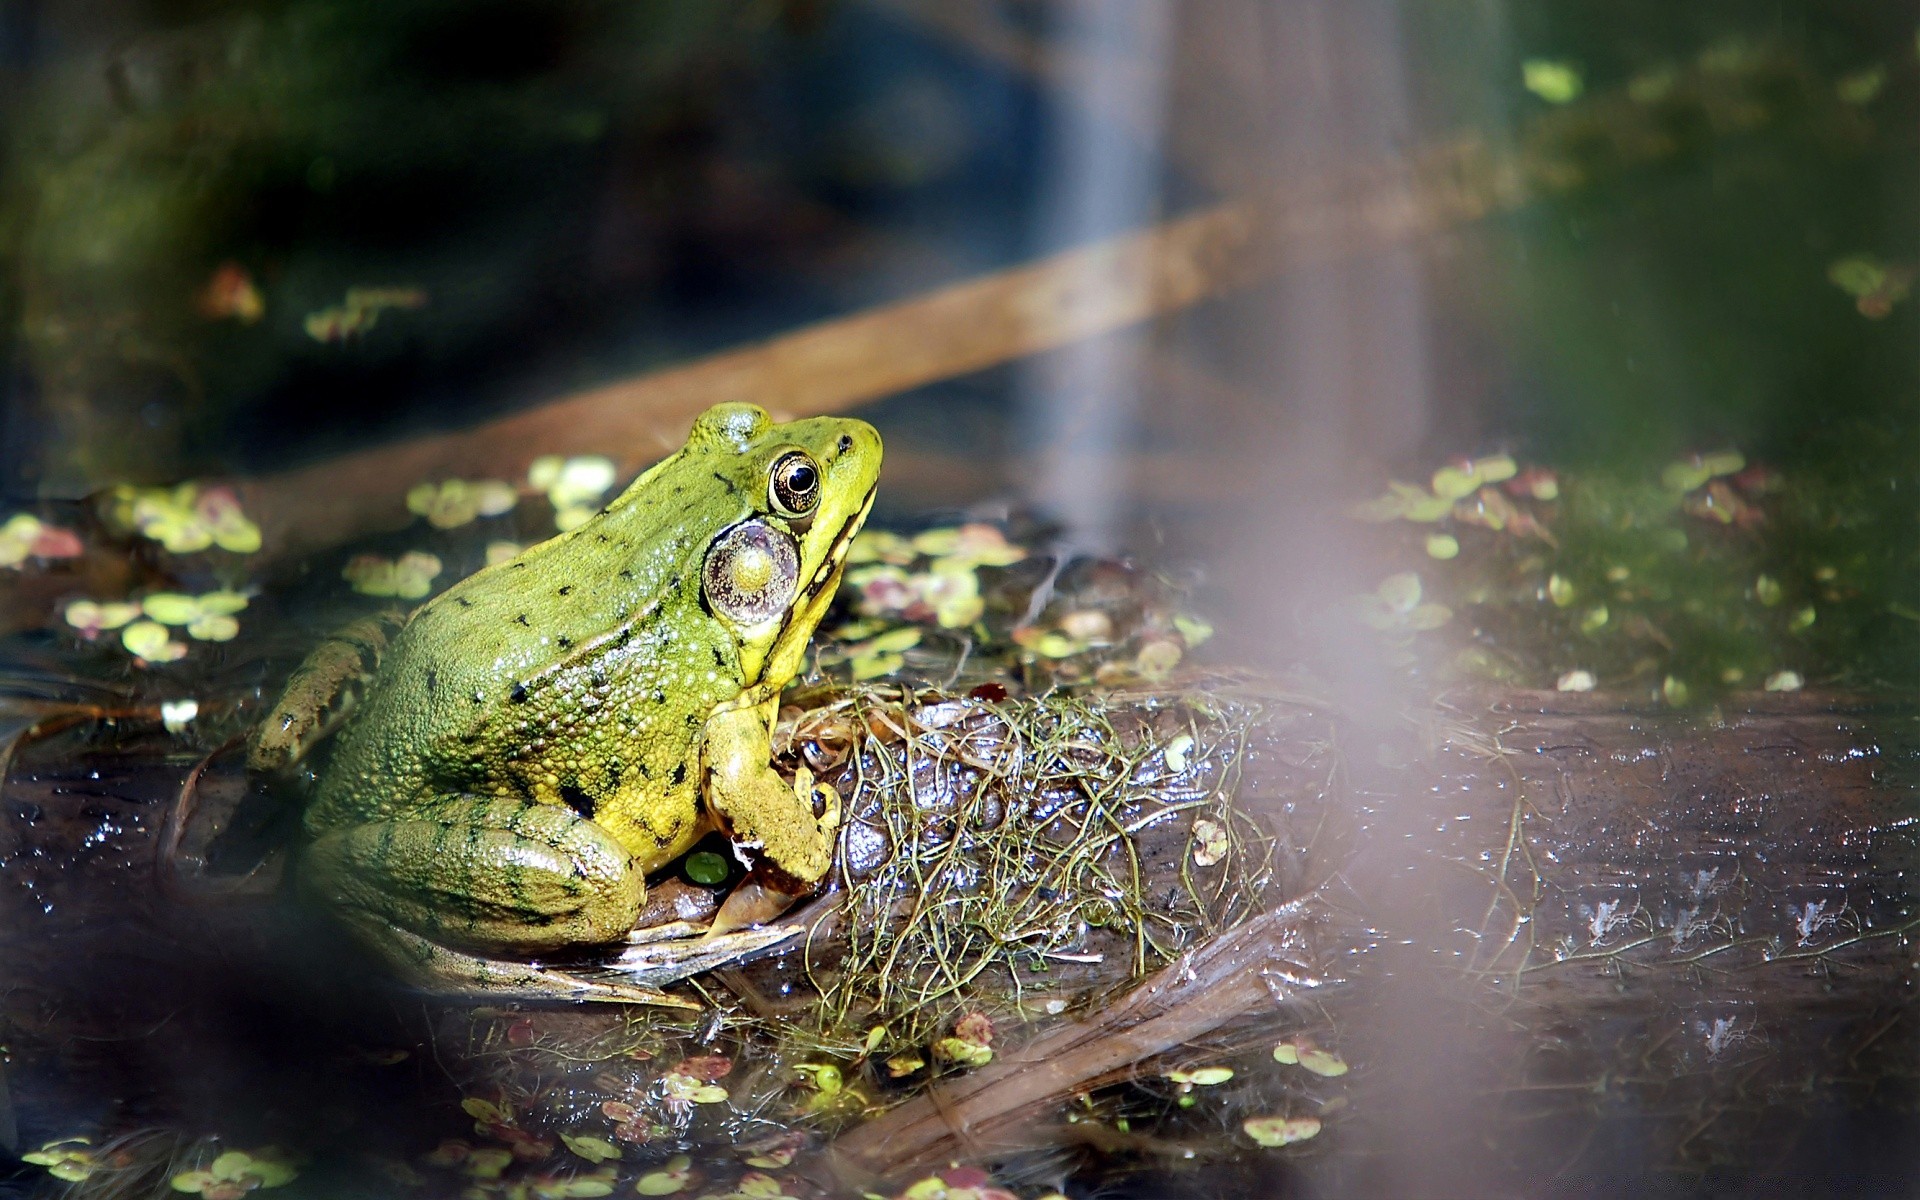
(668, 953)
(452, 973)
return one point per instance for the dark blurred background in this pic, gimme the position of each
(576, 192)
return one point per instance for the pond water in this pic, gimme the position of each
(1382, 663)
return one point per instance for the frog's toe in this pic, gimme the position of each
(751, 903)
(661, 962)
(447, 972)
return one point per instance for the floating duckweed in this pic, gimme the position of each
(1395, 606)
(1766, 589)
(1784, 681)
(883, 654)
(1695, 471)
(1652, 86)
(409, 577)
(1674, 690)
(1594, 619)
(572, 485)
(1280, 1131)
(1404, 501)
(1858, 275)
(675, 1176)
(1324, 1063)
(185, 519)
(954, 591)
(595, 1150)
(1453, 482)
(881, 546)
(69, 1159)
(962, 1053)
(1443, 546)
(1554, 80)
(499, 552)
(26, 536)
(1192, 630)
(1861, 86)
(1176, 752)
(1802, 619)
(150, 642)
(456, 502)
(672, 1177)
(488, 1162)
(236, 1173)
(91, 617)
(902, 1065)
(1561, 591)
(1157, 658)
(975, 544)
(687, 1089)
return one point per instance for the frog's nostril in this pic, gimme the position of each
(819, 803)
(846, 442)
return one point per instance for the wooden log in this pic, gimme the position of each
(967, 326)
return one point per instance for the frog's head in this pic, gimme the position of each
(803, 490)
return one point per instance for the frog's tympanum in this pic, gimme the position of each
(539, 737)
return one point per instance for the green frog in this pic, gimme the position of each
(531, 743)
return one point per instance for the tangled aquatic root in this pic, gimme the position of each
(1025, 856)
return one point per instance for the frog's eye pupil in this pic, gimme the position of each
(795, 486)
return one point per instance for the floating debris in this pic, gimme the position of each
(26, 536)
(230, 294)
(360, 312)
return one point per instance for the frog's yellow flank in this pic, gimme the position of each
(546, 732)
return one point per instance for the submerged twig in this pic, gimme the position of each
(981, 1112)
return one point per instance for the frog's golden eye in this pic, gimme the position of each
(794, 486)
(751, 573)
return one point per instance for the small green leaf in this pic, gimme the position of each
(706, 867)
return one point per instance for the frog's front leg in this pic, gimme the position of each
(456, 891)
(794, 832)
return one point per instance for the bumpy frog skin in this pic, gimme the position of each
(546, 732)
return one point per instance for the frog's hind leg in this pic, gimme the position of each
(448, 971)
(455, 890)
(320, 693)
